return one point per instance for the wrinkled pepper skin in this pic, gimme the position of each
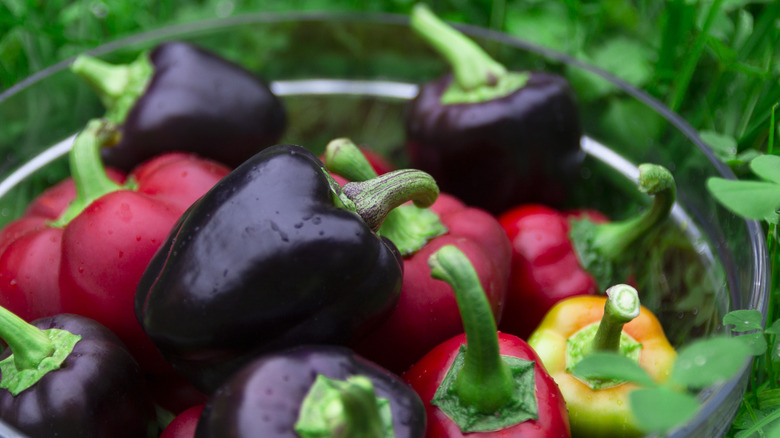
(197, 101)
(524, 147)
(603, 412)
(427, 374)
(427, 313)
(545, 266)
(266, 260)
(263, 399)
(98, 392)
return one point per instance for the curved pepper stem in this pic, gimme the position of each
(375, 198)
(478, 77)
(117, 86)
(35, 352)
(598, 246)
(408, 227)
(87, 170)
(344, 409)
(485, 381)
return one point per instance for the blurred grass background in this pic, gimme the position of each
(716, 62)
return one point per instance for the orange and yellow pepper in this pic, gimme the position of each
(618, 323)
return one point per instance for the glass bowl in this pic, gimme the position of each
(350, 75)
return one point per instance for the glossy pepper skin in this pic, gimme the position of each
(484, 384)
(427, 313)
(89, 260)
(514, 138)
(266, 260)
(264, 398)
(561, 254)
(545, 266)
(98, 390)
(188, 99)
(606, 411)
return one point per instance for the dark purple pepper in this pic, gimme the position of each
(492, 137)
(181, 97)
(264, 398)
(98, 390)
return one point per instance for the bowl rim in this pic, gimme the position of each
(760, 274)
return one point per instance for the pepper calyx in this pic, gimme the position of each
(478, 77)
(344, 409)
(622, 306)
(118, 86)
(487, 391)
(34, 352)
(599, 246)
(409, 227)
(87, 170)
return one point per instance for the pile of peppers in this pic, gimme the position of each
(196, 277)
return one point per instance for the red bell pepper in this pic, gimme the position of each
(427, 313)
(184, 424)
(89, 260)
(484, 383)
(557, 255)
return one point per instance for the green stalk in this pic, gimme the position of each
(485, 381)
(35, 352)
(87, 170)
(478, 77)
(117, 86)
(599, 246)
(409, 227)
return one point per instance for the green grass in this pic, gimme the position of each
(715, 62)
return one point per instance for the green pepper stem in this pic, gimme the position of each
(87, 170)
(117, 86)
(485, 381)
(344, 409)
(29, 344)
(407, 226)
(622, 306)
(375, 198)
(470, 64)
(612, 239)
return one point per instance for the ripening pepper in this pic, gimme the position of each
(277, 254)
(185, 423)
(427, 313)
(560, 254)
(89, 259)
(180, 97)
(617, 323)
(313, 392)
(492, 137)
(68, 376)
(484, 383)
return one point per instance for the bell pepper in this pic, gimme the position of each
(182, 97)
(309, 392)
(89, 260)
(184, 424)
(69, 376)
(616, 323)
(483, 383)
(494, 138)
(274, 256)
(560, 254)
(427, 313)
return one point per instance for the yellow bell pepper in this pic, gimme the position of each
(618, 323)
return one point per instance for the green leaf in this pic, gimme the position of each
(751, 199)
(611, 366)
(625, 58)
(661, 409)
(767, 167)
(744, 320)
(756, 342)
(774, 328)
(708, 361)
